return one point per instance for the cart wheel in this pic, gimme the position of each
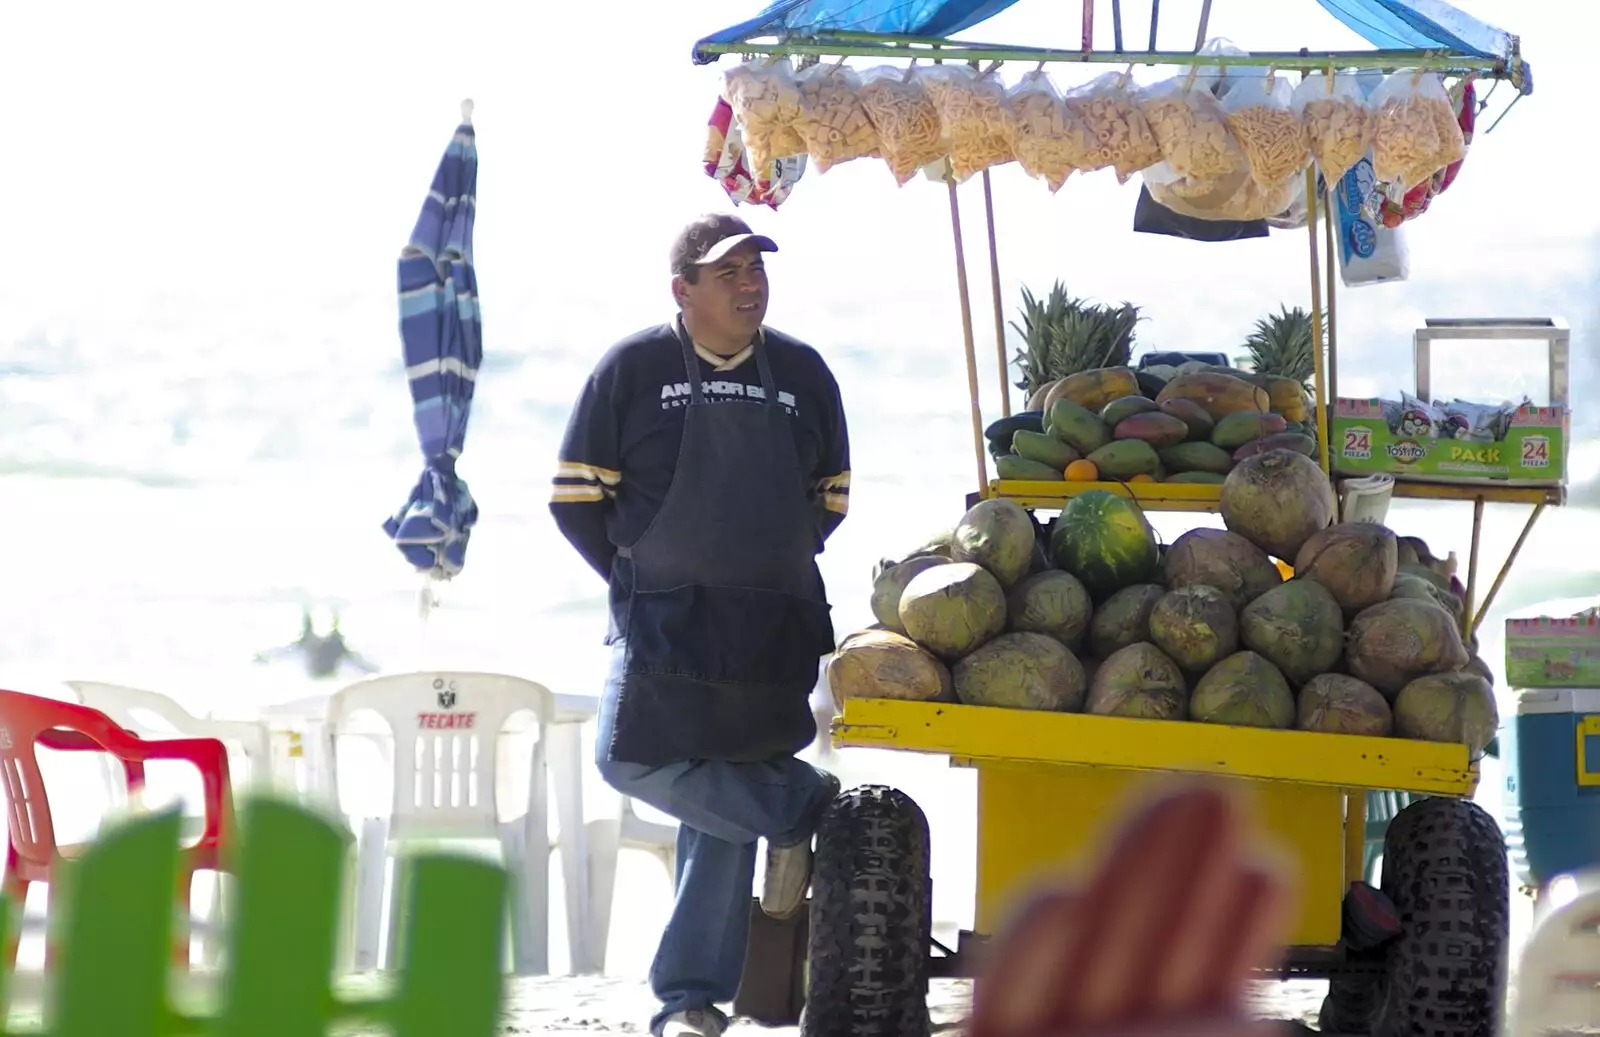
(1445, 869)
(871, 919)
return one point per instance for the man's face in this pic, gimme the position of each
(729, 298)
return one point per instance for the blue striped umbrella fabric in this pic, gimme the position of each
(441, 330)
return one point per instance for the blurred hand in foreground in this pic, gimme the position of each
(1159, 943)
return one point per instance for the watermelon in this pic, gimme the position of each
(1106, 542)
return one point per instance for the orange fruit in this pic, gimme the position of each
(1142, 477)
(1083, 471)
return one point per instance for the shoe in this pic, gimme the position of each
(693, 1023)
(789, 867)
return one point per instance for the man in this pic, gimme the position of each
(703, 467)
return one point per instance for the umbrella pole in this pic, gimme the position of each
(967, 339)
(1319, 362)
(994, 286)
(1333, 326)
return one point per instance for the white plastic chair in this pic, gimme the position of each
(607, 837)
(1558, 980)
(446, 747)
(152, 715)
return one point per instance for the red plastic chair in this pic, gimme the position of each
(28, 720)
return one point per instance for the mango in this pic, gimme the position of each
(1153, 427)
(1046, 449)
(1076, 426)
(1002, 429)
(1281, 441)
(1208, 478)
(1191, 414)
(1013, 467)
(1118, 411)
(1125, 458)
(1197, 457)
(1235, 430)
(1288, 397)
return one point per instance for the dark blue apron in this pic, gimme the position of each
(726, 618)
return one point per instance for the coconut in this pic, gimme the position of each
(1139, 681)
(938, 544)
(998, 535)
(1338, 704)
(1220, 559)
(1052, 603)
(1195, 626)
(952, 609)
(1297, 627)
(1243, 690)
(1405, 550)
(1022, 671)
(1409, 585)
(1481, 668)
(1448, 707)
(1354, 560)
(880, 664)
(1123, 619)
(1394, 642)
(1277, 500)
(1426, 572)
(891, 583)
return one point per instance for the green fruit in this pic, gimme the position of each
(1013, 467)
(1197, 457)
(1125, 458)
(1076, 426)
(1191, 414)
(1105, 541)
(1157, 429)
(1235, 430)
(1005, 428)
(1118, 411)
(1205, 478)
(1046, 449)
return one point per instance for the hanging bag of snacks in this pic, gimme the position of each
(907, 123)
(833, 123)
(974, 119)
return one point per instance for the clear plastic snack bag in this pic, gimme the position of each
(1415, 133)
(1107, 108)
(973, 117)
(1475, 422)
(1337, 121)
(1191, 129)
(834, 125)
(766, 103)
(909, 135)
(1050, 142)
(1219, 79)
(1417, 419)
(1267, 129)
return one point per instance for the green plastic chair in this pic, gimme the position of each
(114, 965)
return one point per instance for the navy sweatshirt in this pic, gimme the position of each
(621, 444)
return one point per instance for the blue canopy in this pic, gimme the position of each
(441, 331)
(1386, 24)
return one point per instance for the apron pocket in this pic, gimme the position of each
(736, 634)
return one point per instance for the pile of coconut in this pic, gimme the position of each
(1363, 638)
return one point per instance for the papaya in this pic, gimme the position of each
(1093, 389)
(1235, 430)
(1197, 457)
(1118, 411)
(1046, 449)
(1037, 400)
(1076, 426)
(1287, 397)
(1153, 427)
(1001, 431)
(1281, 441)
(1192, 415)
(1125, 458)
(1219, 394)
(1012, 466)
(1209, 478)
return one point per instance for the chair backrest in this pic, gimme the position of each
(135, 708)
(23, 720)
(445, 727)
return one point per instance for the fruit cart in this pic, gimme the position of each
(1049, 783)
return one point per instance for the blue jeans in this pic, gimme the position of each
(722, 809)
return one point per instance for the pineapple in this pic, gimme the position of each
(1281, 345)
(1066, 335)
